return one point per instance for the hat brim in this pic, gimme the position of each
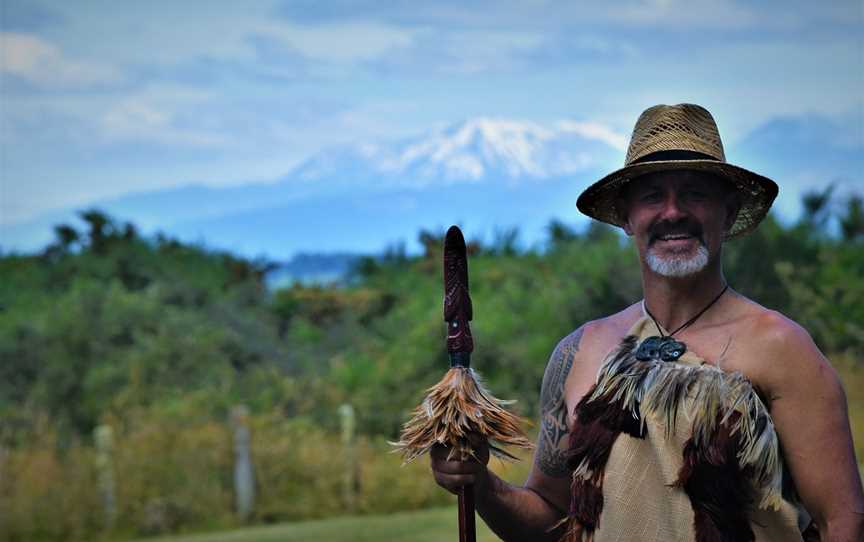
(600, 200)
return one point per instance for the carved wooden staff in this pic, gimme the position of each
(459, 404)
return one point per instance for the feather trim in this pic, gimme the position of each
(453, 408)
(586, 503)
(599, 418)
(573, 531)
(659, 389)
(719, 491)
(598, 422)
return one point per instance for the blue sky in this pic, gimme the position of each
(102, 98)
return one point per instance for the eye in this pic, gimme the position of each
(651, 196)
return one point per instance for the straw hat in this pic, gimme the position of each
(683, 136)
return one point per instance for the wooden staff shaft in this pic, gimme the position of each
(467, 530)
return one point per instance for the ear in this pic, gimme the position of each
(621, 211)
(627, 229)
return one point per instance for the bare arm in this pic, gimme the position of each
(550, 475)
(808, 406)
(525, 512)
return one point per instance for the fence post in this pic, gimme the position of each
(3, 467)
(244, 477)
(103, 437)
(348, 423)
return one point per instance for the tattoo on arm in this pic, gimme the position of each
(551, 455)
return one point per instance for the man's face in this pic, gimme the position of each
(678, 219)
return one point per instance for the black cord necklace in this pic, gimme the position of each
(690, 321)
(665, 347)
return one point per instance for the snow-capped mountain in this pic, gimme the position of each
(347, 185)
(476, 150)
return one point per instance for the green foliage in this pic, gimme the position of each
(186, 485)
(45, 495)
(161, 340)
(123, 322)
(852, 222)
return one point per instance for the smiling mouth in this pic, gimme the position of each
(676, 233)
(675, 237)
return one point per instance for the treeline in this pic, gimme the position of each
(153, 337)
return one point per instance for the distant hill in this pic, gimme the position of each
(308, 269)
(803, 153)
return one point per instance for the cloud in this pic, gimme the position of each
(692, 13)
(489, 14)
(594, 130)
(162, 116)
(458, 52)
(40, 62)
(404, 12)
(338, 42)
(250, 48)
(435, 51)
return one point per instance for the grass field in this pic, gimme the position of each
(435, 525)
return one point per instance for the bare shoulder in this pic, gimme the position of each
(593, 339)
(773, 333)
(784, 350)
(603, 334)
(574, 363)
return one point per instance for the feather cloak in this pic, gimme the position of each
(730, 463)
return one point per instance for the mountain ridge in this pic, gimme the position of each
(495, 153)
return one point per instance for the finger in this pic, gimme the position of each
(440, 452)
(444, 459)
(454, 483)
(458, 467)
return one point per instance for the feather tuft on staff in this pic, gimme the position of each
(456, 406)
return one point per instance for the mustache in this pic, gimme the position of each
(685, 227)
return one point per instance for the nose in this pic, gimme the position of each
(672, 210)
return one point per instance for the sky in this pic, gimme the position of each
(104, 98)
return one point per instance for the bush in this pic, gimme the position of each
(48, 492)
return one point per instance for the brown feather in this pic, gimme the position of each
(453, 408)
(586, 503)
(719, 490)
(573, 531)
(598, 422)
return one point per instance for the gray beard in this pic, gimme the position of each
(678, 266)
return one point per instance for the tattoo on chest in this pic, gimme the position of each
(551, 456)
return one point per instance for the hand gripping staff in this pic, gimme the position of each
(459, 404)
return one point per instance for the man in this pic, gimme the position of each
(665, 421)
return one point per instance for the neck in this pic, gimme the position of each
(673, 301)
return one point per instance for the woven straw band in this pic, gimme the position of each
(679, 137)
